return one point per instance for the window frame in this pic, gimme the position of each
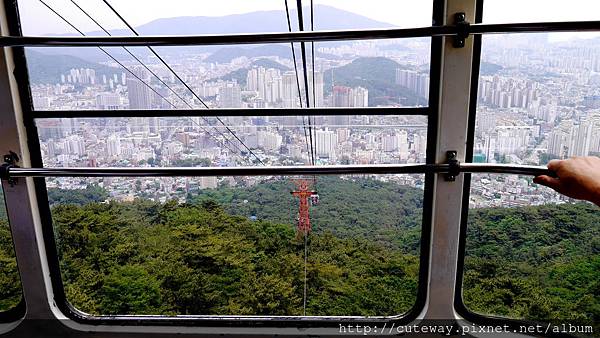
(18, 311)
(60, 299)
(459, 305)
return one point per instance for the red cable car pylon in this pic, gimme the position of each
(304, 193)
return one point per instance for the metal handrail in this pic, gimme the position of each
(14, 172)
(314, 36)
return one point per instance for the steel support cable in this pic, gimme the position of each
(311, 157)
(305, 73)
(289, 24)
(181, 80)
(303, 51)
(305, 272)
(161, 81)
(124, 67)
(312, 54)
(107, 53)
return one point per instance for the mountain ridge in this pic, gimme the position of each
(326, 18)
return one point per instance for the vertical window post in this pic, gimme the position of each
(451, 135)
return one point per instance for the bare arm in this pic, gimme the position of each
(577, 177)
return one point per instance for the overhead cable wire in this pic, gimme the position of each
(312, 43)
(181, 80)
(310, 132)
(305, 72)
(289, 24)
(156, 76)
(125, 68)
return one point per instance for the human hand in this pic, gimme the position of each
(577, 177)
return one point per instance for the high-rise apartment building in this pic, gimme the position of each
(414, 81)
(289, 93)
(316, 97)
(327, 141)
(230, 96)
(350, 97)
(113, 145)
(269, 140)
(139, 94)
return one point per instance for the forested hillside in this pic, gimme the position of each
(362, 208)
(535, 262)
(209, 257)
(378, 75)
(148, 258)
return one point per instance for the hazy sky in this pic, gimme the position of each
(38, 20)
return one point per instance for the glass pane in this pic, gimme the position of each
(538, 99)
(369, 14)
(195, 141)
(503, 11)
(232, 245)
(531, 254)
(383, 73)
(10, 284)
(182, 17)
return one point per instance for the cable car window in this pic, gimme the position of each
(239, 245)
(531, 253)
(314, 246)
(10, 283)
(538, 99)
(389, 73)
(182, 17)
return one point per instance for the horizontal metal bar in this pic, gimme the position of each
(505, 169)
(314, 36)
(416, 111)
(535, 27)
(14, 172)
(229, 39)
(221, 171)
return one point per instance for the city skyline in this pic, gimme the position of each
(537, 100)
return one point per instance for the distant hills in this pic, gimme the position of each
(326, 18)
(44, 68)
(225, 55)
(378, 75)
(487, 68)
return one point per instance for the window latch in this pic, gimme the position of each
(10, 161)
(453, 166)
(462, 29)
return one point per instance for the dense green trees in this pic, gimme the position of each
(150, 258)
(366, 208)
(92, 193)
(538, 263)
(209, 257)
